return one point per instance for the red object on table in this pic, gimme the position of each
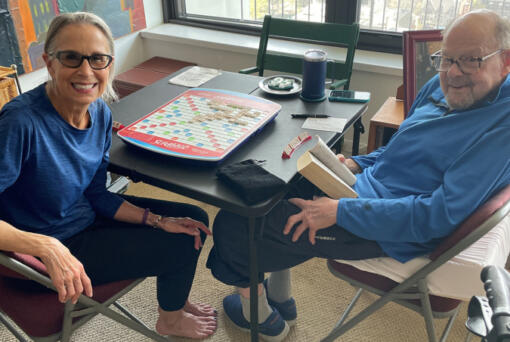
(294, 144)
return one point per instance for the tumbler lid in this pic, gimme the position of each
(315, 55)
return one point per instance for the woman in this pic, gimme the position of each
(53, 201)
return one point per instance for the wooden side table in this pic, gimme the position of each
(146, 73)
(385, 122)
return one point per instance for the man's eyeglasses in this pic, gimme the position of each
(468, 65)
(73, 59)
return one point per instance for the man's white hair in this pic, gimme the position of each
(501, 27)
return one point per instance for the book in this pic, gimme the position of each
(321, 167)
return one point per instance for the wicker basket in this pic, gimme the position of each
(8, 90)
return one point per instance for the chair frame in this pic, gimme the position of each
(85, 309)
(9, 84)
(415, 286)
(11, 71)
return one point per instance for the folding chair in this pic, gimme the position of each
(39, 313)
(413, 292)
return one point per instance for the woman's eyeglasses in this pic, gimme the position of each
(73, 59)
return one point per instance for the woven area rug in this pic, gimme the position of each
(320, 296)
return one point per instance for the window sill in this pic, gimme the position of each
(367, 61)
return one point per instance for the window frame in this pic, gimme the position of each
(336, 11)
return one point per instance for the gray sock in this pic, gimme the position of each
(278, 286)
(264, 308)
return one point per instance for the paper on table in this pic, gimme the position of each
(325, 124)
(195, 76)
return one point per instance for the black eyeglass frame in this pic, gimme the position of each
(436, 57)
(58, 55)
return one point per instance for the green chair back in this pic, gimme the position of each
(319, 34)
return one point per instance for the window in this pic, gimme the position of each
(381, 21)
(404, 15)
(255, 10)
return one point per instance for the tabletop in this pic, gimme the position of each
(198, 180)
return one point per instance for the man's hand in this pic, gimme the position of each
(184, 225)
(66, 272)
(351, 164)
(314, 215)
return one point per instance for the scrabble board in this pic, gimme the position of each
(201, 124)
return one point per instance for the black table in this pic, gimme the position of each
(198, 181)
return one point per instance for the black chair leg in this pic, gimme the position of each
(358, 129)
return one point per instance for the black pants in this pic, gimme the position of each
(229, 258)
(111, 250)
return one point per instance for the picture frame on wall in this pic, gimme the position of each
(418, 47)
(24, 25)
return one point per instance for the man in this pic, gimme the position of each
(448, 157)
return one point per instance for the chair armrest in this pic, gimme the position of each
(337, 84)
(9, 261)
(7, 269)
(475, 220)
(249, 70)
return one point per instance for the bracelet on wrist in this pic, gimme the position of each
(145, 216)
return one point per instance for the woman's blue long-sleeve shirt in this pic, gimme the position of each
(434, 172)
(53, 175)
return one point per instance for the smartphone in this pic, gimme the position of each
(349, 96)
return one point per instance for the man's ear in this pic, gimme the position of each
(506, 62)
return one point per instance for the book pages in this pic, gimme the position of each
(320, 175)
(322, 152)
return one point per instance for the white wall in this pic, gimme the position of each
(128, 49)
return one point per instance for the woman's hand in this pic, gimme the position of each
(66, 272)
(184, 225)
(351, 164)
(128, 212)
(314, 216)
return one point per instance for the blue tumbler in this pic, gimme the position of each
(314, 75)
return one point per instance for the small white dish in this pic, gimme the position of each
(296, 86)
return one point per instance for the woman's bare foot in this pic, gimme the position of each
(197, 309)
(200, 309)
(181, 323)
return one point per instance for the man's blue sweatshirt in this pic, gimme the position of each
(434, 172)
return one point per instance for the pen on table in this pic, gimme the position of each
(304, 116)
